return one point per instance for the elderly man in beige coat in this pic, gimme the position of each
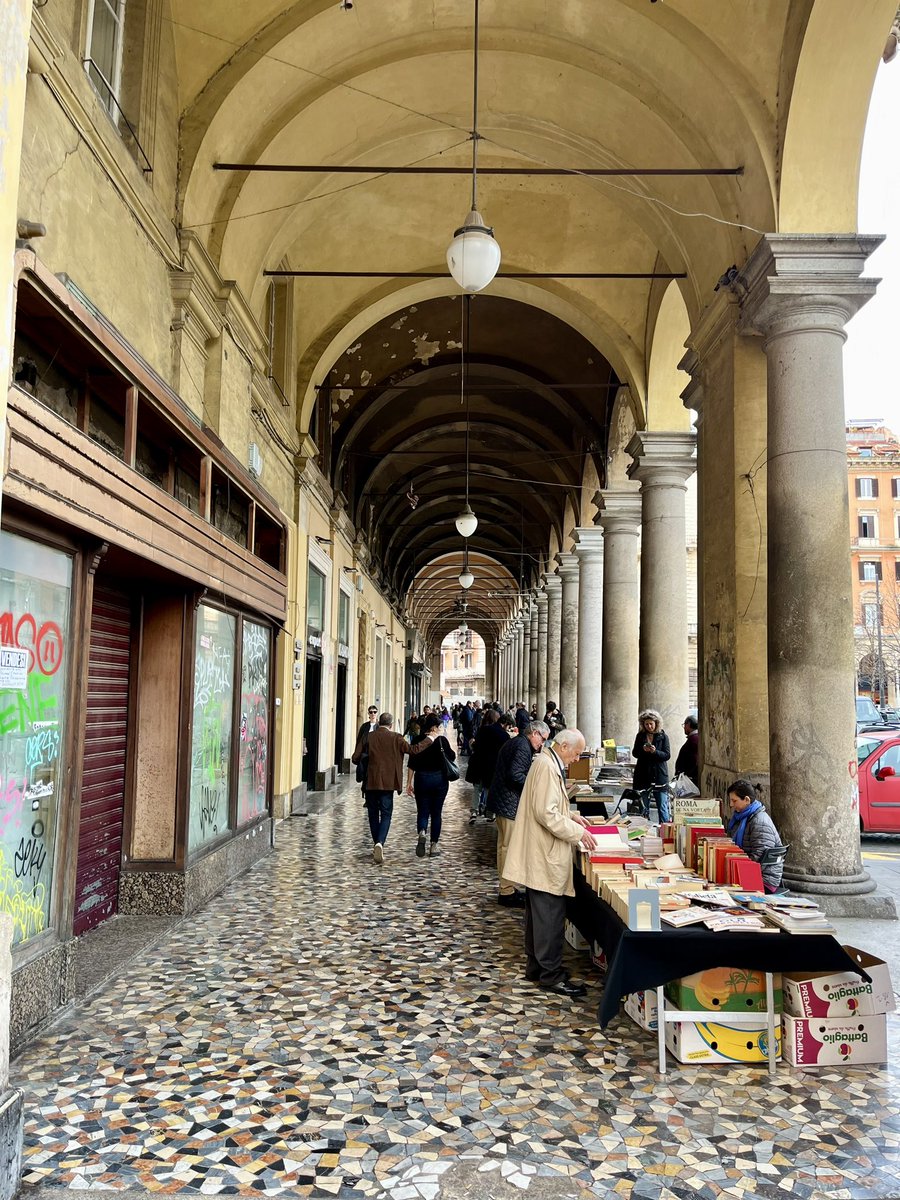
(540, 858)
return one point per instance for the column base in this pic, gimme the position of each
(843, 895)
(12, 1120)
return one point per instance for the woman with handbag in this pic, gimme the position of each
(435, 767)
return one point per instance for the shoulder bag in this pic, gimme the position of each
(451, 770)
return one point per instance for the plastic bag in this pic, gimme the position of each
(682, 785)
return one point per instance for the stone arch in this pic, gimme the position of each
(826, 123)
(665, 382)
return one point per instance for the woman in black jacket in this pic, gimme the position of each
(489, 740)
(651, 749)
(429, 784)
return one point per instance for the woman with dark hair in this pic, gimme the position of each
(753, 830)
(483, 761)
(651, 775)
(429, 784)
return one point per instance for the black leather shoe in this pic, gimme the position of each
(566, 987)
(515, 900)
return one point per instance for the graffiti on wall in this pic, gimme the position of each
(254, 728)
(212, 716)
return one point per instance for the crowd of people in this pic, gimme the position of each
(517, 770)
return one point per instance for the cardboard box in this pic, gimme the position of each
(699, 1042)
(574, 938)
(580, 769)
(724, 989)
(598, 957)
(643, 1010)
(826, 1041)
(842, 993)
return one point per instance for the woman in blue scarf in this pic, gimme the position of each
(753, 830)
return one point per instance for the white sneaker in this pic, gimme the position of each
(378, 853)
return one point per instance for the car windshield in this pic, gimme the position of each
(866, 710)
(865, 746)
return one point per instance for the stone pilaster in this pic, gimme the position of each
(662, 464)
(532, 697)
(553, 588)
(620, 519)
(542, 655)
(589, 553)
(568, 659)
(798, 292)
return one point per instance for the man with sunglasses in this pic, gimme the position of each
(362, 735)
(513, 764)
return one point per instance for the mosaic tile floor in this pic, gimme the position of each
(330, 1028)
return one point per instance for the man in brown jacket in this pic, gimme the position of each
(540, 858)
(384, 776)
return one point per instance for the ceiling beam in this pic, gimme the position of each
(500, 274)
(554, 172)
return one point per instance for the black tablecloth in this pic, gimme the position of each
(639, 961)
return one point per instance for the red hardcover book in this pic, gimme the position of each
(746, 874)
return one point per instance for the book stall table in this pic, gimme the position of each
(640, 961)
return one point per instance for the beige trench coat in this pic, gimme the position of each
(540, 850)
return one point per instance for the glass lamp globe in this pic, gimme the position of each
(466, 522)
(474, 254)
(466, 578)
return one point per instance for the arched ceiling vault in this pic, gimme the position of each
(625, 84)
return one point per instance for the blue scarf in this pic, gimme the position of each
(737, 826)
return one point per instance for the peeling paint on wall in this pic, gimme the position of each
(425, 350)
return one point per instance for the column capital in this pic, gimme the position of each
(568, 566)
(552, 584)
(793, 282)
(620, 511)
(589, 540)
(662, 458)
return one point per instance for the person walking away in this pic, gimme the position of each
(540, 858)
(467, 726)
(688, 760)
(489, 740)
(510, 772)
(428, 782)
(651, 749)
(754, 831)
(384, 776)
(522, 717)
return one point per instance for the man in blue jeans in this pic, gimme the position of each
(384, 776)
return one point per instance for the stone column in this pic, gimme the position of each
(620, 518)
(542, 655)
(589, 552)
(568, 657)
(662, 464)
(523, 659)
(488, 674)
(798, 292)
(553, 587)
(526, 655)
(504, 675)
(532, 697)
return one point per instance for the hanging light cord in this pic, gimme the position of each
(475, 116)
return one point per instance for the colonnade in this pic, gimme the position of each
(608, 627)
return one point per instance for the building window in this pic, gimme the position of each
(867, 524)
(870, 570)
(35, 589)
(870, 615)
(867, 488)
(344, 619)
(315, 602)
(895, 487)
(103, 52)
(865, 451)
(897, 569)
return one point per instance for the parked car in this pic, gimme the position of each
(868, 717)
(878, 759)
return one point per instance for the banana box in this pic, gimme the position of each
(574, 938)
(724, 989)
(717, 1042)
(826, 1041)
(841, 994)
(643, 1010)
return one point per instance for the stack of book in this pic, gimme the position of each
(794, 914)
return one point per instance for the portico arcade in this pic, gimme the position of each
(626, 306)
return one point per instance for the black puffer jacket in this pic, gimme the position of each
(513, 765)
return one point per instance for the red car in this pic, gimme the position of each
(878, 756)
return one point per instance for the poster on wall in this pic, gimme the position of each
(35, 588)
(254, 727)
(214, 655)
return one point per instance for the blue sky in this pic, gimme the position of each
(871, 378)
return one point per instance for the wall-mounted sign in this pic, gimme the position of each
(314, 642)
(343, 650)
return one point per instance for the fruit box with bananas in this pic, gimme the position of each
(719, 1042)
(724, 989)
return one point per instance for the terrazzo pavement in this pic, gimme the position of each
(326, 1027)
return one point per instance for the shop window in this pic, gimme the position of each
(37, 371)
(214, 655)
(268, 542)
(344, 619)
(35, 588)
(315, 601)
(230, 509)
(254, 729)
